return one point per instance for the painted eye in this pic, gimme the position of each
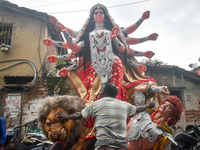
(48, 123)
(101, 13)
(169, 107)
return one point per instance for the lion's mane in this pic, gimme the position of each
(70, 104)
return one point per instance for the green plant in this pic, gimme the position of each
(4, 34)
(59, 65)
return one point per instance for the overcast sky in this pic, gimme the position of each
(176, 21)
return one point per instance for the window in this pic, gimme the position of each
(18, 83)
(177, 93)
(17, 80)
(5, 33)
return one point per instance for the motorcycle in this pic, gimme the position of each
(31, 141)
(189, 139)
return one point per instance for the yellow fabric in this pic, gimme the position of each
(161, 143)
(96, 87)
(165, 127)
(78, 84)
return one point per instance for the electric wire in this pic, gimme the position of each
(23, 61)
(121, 5)
(54, 3)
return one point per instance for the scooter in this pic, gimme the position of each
(189, 139)
(31, 141)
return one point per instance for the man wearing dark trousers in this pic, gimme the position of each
(110, 118)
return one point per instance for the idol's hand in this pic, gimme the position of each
(149, 54)
(53, 19)
(115, 32)
(60, 27)
(48, 42)
(146, 14)
(63, 72)
(141, 68)
(52, 58)
(71, 55)
(164, 90)
(153, 36)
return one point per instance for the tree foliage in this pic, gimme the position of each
(152, 62)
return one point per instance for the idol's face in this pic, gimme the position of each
(98, 16)
(166, 108)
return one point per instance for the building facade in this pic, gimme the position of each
(184, 84)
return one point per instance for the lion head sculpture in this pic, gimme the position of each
(60, 130)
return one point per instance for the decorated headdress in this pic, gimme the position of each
(98, 6)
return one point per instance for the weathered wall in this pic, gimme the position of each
(26, 43)
(26, 102)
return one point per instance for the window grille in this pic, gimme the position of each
(5, 33)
